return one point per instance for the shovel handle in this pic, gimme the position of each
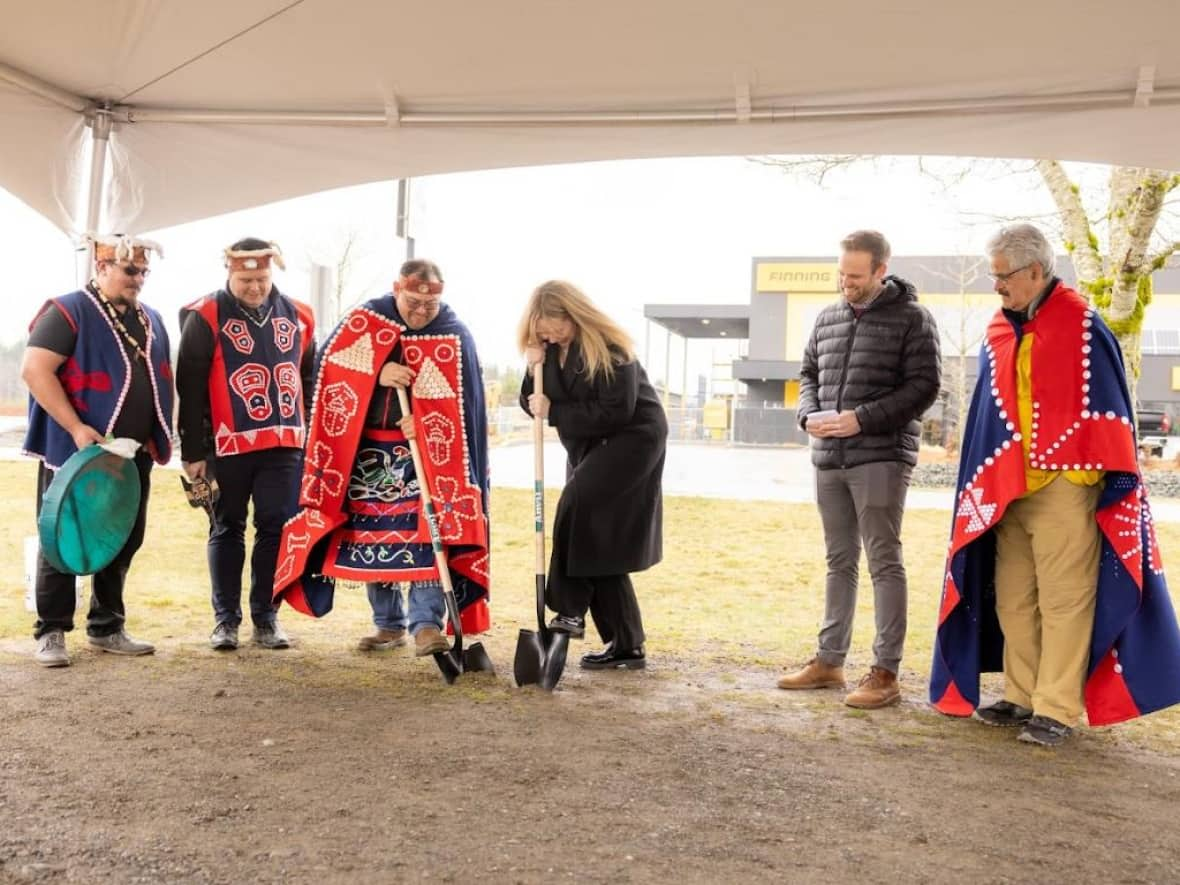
(440, 553)
(539, 499)
(539, 473)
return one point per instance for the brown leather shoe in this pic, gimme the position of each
(382, 640)
(428, 641)
(878, 688)
(816, 674)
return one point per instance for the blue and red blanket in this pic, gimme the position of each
(1082, 420)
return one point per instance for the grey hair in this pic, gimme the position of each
(1022, 244)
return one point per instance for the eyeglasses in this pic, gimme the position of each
(1004, 277)
(413, 304)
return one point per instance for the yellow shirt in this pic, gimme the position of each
(1034, 477)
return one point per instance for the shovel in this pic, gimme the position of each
(455, 660)
(540, 653)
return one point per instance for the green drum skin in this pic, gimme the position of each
(88, 511)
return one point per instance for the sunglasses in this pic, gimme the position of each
(132, 270)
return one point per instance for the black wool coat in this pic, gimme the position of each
(610, 514)
(886, 365)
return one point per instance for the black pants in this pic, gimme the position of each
(610, 599)
(56, 596)
(271, 478)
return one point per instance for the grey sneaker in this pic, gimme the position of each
(270, 636)
(1004, 714)
(121, 644)
(51, 649)
(224, 638)
(1045, 732)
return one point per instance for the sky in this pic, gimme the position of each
(627, 233)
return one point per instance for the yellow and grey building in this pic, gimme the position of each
(787, 294)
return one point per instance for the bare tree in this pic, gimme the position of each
(1115, 249)
(961, 338)
(346, 252)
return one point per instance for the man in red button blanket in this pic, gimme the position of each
(1053, 574)
(361, 515)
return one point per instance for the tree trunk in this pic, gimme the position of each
(1119, 287)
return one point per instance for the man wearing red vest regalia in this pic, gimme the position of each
(361, 515)
(1053, 574)
(247, 354)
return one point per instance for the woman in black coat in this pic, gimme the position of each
(609, 519)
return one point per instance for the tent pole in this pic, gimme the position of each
(100, 134)
(403, 229)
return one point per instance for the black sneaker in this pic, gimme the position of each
(610, 659)
(271, 636)
(1045, 732)
(1004, 713)
(224, 637)
(574, 626)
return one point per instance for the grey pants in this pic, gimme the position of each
(864, 505)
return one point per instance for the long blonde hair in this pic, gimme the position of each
(603, 342)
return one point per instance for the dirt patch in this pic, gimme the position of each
(324, 765)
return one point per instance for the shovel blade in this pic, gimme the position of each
(476, 660)
(529, 662)
(449, 665)
(554, 664)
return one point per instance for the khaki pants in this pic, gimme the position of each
(1047, 550)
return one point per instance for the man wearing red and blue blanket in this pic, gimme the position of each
(1053, 573)
(361, 515)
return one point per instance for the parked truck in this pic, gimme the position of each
(1155, 423)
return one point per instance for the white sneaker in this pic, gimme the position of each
(122, 644)
(51, 649)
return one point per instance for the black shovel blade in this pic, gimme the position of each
(449, 664)
(559, 644)
(529, 662)
(476, 660)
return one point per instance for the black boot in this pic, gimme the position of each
(611, 658)
(571, 624)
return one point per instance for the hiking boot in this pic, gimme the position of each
(270, 635)
(224, 637)
(611, 658)
(429, 641)
(878, 688)
(571, 624)
(382, 640)
(51, 649)
(121, 644)
(1004, 713)
(1044, 732)
(815, 674)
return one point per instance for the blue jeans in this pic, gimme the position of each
(426, 606)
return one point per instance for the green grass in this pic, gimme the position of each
(738, 597)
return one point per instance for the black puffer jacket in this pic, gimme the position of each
(886, 365)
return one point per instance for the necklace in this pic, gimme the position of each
(117, 322)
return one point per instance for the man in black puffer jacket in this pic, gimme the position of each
(871, 368)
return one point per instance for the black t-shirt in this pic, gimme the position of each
(384, 409)
(53, 331)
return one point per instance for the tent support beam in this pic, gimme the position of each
(40, 87)
(772, 113)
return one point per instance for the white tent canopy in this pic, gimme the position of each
(225, 104)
